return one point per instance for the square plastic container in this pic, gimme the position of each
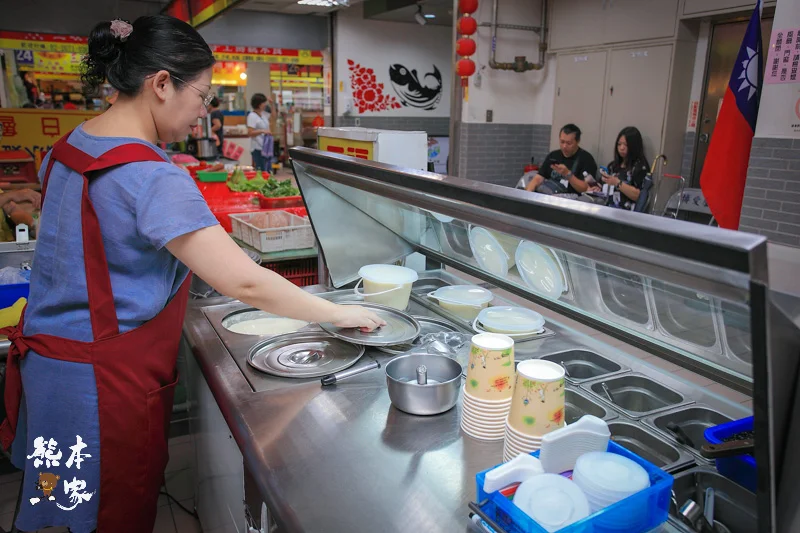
(650, 505)
(212, 177)
(742, 468)
(280, 202)
(9, 294)
(273, 231)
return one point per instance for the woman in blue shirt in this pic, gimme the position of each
(91, 371)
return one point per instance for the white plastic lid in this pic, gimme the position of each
(553, 501)
(511, 319)
(463, 295)
(397, 275)
(605, 472)
(540, 269)
(488, 252)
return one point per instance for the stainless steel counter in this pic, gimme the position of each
(342, 458)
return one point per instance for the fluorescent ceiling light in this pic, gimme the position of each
(429, 16)
(324, 3)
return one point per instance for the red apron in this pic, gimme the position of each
(135, 371)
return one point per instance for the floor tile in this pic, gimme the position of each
(181, 440)
(730, 394)
(163, 500)
(691, 377)
(180, 485)
(165, 523)
(181, 456)
(184, 522)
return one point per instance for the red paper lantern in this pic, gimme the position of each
(465, 67)
(467, 26)
(465, 47)
(468, 6)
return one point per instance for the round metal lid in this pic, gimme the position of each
(426, 325)
(307, 354)
(400, 328)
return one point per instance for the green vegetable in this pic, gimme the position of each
(270, 188)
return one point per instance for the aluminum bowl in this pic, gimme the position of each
(440, 393)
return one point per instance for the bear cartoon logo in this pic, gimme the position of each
(46, 483)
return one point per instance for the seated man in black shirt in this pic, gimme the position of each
(562, 170)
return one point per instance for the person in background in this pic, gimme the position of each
(629, 168)
(562, 170)
(257, 127)
(18, 207)
(217, 122)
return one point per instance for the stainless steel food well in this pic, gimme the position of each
(577, 404)
(635, 394)
(584, 365)
(437, 395)
(692, 419)
(649, 445)
(734, 506)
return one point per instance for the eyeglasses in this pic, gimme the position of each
(207, 97)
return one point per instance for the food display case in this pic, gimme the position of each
(692, 296)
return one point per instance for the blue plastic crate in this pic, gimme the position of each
(9, 294)
(742, 468)
(647, 509)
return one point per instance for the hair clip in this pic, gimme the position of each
(121, 29)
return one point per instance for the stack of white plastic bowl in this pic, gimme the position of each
(607, 478)
(517, 443)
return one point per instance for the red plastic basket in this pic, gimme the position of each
(301, 272)
(279, 203)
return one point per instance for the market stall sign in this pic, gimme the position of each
(313, 83)
(47, 42)
(43, 42)
(257, 54)
(49, 62)
(203, 11)
(359, 149)
(35, 130)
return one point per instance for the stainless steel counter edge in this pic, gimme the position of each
(343, 458)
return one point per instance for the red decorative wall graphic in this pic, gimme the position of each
(367, 92)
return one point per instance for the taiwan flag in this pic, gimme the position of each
(725, 168)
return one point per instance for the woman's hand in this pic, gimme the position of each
(355, 316)
(609, 179)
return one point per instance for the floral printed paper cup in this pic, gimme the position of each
(537, 406)
(490, 373)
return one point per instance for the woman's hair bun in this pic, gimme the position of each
(105, 50)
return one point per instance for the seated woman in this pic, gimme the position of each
(628, 169)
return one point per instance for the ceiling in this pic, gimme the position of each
(442, 10)
(286, 6)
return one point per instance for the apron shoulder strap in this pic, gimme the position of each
(102, 310)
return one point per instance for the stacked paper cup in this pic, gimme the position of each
(488, 389)
(537, 406)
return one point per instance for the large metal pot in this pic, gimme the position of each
(438, 392)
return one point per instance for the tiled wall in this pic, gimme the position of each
(433, 126)
(688, 156)
(772, 195)
(498, 153)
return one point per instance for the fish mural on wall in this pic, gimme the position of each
(412, 91)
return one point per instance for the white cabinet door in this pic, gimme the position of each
(580, 80)
(576, 23)
(636, 20)
(636, 95)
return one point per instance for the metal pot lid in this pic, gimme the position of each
(426, 325)
(308, 354)
(400, 328)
